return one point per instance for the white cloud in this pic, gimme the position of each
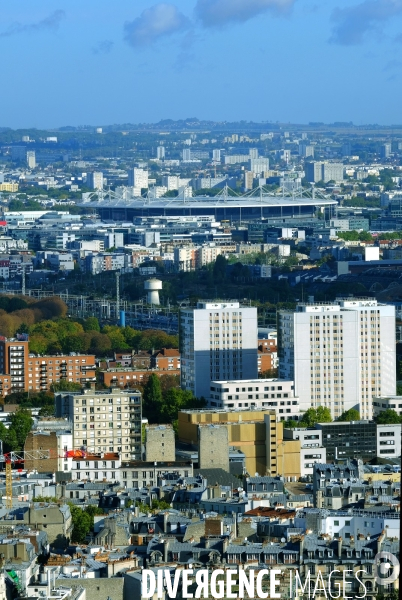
(216, 13)
(158, 21)
(51, 22)
(353, 23)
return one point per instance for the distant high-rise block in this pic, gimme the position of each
(160, 152)
(323, 171)
(339, 355)
(218, 341)
(95, 180)
(386, 150)
(138, 178)
(216, 155)
(31, 159)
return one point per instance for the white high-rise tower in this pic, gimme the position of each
(218, 341)
(339, 355)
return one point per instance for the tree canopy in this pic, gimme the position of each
(322, 414)
(349, 415)
(388, 417)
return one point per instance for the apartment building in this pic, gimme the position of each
(45, 370)
(21, 371)
(138, 178)
(104, 421)
(95, 180)
(339, 355)
(167, 359)
(218, 342)
(273, 394)
(129, 377)
(267, 355)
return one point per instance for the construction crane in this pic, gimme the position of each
(10, 458)
(18, 457)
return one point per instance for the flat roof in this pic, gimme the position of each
(207, 201)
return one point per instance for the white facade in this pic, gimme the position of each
(218, 341)
(3, 595)
(392, 402)
(339, 355)
(171, 182)
(31, 159)
(389, 441)
(95, 180)
(343, 524)
(101, 468)
(312, 451)
(259, 165)
(275, 394)
(138, 178)
(160, 152)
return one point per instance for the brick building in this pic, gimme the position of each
(130, 377)
(267, 355)
(167, 359)
(23, 372)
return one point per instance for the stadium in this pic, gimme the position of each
(235, 209)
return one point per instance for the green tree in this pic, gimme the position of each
(312, 416)
(349, 415)
(290, 424)
(100, 344)
(152, 399)
(81, 524)
(219, 269)
(21, 422)
(116, 337)
(388, 417)
(65, 386)
(91, 324)
(11, 441)
(47, 411)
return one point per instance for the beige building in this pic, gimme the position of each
(159, 443)
(213, 447)
(104, 421)
(256, 433)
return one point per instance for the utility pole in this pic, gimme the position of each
(117, 294)
(23, 280)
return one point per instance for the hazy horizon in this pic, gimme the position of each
(287, 61)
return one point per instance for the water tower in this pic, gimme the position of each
(152, 287)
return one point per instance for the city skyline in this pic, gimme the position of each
(280, 60)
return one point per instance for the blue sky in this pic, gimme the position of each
(99, 62)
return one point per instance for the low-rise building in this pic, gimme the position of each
(385, 402)
(273, 394)
(311, 447)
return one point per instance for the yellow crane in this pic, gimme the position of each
(18, 458)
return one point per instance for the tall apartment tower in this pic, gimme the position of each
(339, 355)
(160, 152)
(14, 363)
(31, 159)
(386, 150)
(218, 341)
(137, 178)
(104, 421)
(95, 180)
(216, 155)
